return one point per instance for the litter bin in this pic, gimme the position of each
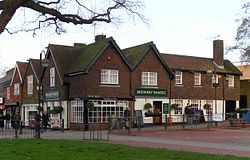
(246, 116)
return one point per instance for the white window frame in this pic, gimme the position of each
(30, 85)
(77, 111)
(197, 79)
(149, 78)
(230, 81)
(216, 77)
(178, 77)
(179, 109)
(8, 93)
(52, 77)
(196, 104)
(16, 89)
(109, 76)
(211, 103)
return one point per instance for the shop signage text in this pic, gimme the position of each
(151, 92)
(52, 95)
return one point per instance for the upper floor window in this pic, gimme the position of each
(178, 77)
(52, 77)
(30, 84)
(8, 93)
(109, 76)
(215, 78)
(230, 81)
(16, 89)
(197, 79)
(149, 78)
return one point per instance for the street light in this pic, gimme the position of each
(215, 83)
(43, 63)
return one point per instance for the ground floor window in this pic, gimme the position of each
(210, 110)
(104, 109)
(178, 110)
(195, 104)
(77, 111)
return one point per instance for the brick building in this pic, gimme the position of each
(204, 80)
(150, 79)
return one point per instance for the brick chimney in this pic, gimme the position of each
(79, 44)
(218, 53)
(100, 37)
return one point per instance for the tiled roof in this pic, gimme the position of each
(22, 67)
(135, 54)
(36, 65)
(8, 77)
(190, 63)
(70, 60)
(245, 69)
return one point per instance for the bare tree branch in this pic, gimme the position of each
(56, 15)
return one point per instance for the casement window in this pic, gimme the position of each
(195, 104)
(103, 109)
(52, 77)
(30, 85)
(230, 81)
(77, 111)
(178, 110)
(178, 77)
(8, 93)
(109, 76)
(16, 89)
(215, 78)
(197, 79)
(149, 78)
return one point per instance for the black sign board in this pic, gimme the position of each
(139, 118)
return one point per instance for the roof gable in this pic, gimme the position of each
(136, 54)
(20, 69)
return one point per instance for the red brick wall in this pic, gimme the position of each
(16, 98)
(90, 83)
(30, 99)
(206, 91)
(151, 63)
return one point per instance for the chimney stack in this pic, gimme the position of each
(218, 53)
(100, 37)
(79, 44)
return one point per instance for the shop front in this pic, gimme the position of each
(157, 98)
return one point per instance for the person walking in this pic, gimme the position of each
(126, 117)
(1, 121)
(7, 120)
(45, 120)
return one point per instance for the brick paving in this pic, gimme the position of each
(233, 141)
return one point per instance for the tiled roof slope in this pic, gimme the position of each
(36, 65)
(135, 54)
(190, 63)
(8, 77)
(22, 67)
(245, 69)
(70, 60)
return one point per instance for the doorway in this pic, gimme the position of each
(158, 108)
(243, 101)
(230, 108)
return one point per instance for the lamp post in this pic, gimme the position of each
(43, 63)
(215, 85)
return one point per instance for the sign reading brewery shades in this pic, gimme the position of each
(52, 95)
(151, 92)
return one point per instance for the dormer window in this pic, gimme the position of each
(30, 85)
(16, 89)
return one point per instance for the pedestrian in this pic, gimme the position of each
(126, 117)
(45, 120)
(17, 120)
(1, 121)
(7, 120)
(189, 113)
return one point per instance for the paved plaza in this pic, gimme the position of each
(235, 141)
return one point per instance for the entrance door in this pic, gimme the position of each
(158, 108)
(243, 101)
(230, 108)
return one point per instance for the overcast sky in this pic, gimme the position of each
(176, 27)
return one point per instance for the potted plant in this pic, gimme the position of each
(172, 107)
(90, 105)
(148, 107)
